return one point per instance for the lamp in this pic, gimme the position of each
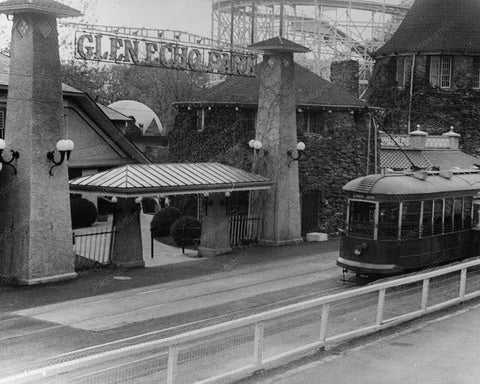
(65, 147)
(257, 146)
(300, 149)
(15, 155)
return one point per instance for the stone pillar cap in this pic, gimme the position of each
(51, 7)
(418, 132)
(451, 133)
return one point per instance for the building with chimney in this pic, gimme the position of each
(332, 121)
(428, 73)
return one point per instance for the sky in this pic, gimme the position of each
(192, 16)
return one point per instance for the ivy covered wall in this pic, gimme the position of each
(333, 156)
(433, 108)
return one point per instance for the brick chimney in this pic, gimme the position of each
(344, 74)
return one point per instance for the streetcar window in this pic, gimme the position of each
(467, 213)
(410, 219)
(437, 217)
(448, 216)
(388, 221)
(361, 218)
(427, 228)
(457, 214)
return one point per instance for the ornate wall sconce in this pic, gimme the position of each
(257, 146)
(300, 149)
(15, 156)
(65, 147)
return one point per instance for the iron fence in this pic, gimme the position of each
(229, 351)
(94, 245)
(243, 229)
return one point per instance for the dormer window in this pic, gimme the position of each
(476, 73)
(441, 71)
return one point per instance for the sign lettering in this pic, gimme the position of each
(112, 48)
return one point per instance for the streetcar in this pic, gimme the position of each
(399, 222)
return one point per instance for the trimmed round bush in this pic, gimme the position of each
(148, 205)
(185, 230)
(84, 213)
(163, 220)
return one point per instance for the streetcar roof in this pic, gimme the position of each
(416, 183)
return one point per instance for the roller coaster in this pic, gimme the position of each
(332, 29)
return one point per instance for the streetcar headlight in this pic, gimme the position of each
(358, 250)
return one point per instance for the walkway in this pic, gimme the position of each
(445, 350)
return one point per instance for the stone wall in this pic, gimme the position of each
(435, 109)
(332, 158)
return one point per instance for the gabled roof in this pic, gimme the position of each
(310, 89)
(437, 26)
(92, 109)
(169, 179)
(42, 6)
(278, 43)
(112, 114)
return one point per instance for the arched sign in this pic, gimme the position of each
(113, 48)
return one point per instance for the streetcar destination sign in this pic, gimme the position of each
(114, 48)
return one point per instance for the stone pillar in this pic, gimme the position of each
(276, 128)
(35, 224)
(215, 238)
(127, 248)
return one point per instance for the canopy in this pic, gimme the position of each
(169, 179)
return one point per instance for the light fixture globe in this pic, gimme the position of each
(3, 144)
(300, 146)
(251, 143)
(257, 145)
(69, 144)
(62, 145)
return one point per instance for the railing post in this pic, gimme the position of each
(172, 363)
(258, 343)
(463, 283)
(324, 322)
(380, 306)
(425, 289)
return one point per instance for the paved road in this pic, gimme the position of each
(445, 350)
(160, 310)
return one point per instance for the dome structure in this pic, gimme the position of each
(144, 116)
(432, 26)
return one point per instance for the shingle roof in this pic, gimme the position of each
(169, 179)
(431, 26)
(42, 6)
(279, 44)
(310, 89)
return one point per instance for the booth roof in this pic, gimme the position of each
(169, 179)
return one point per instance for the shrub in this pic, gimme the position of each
(186, 228)
(149, 204)
(163, 220)
(83, 211)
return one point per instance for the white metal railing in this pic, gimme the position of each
(404, 141)
(235, 349)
